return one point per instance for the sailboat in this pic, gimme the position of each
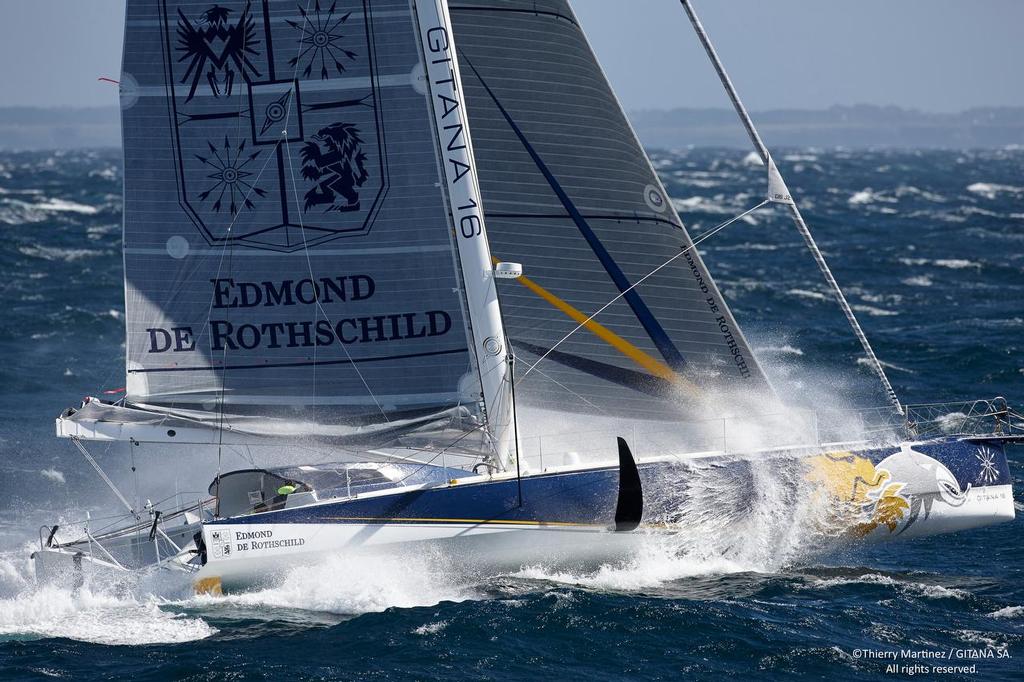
(410, 236)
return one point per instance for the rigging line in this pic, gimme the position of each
(794, 212)
(230, 252)
(707, 235)
(227, 242)
(441, 452)
(662, 341)
(319, 304)
(103, 475)
(566, 388)
(305, 247)
(291, 173)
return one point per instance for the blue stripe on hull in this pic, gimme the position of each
(948, 467)
(586, 497)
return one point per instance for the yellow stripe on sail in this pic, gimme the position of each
(649, 363)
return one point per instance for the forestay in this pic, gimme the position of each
(288, 254)
(570, 193)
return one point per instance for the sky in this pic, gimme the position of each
(933, 55)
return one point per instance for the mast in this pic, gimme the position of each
(779, 193)
(444, 87)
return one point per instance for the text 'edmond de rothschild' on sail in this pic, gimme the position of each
(288, 251)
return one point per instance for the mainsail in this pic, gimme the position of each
(289, 257)
(570, 193)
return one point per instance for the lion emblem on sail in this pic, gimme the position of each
(334, 161)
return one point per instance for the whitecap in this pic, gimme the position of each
(888, 365)
(975, 637)
(914, 261)
(54, 475)
(53, 253)
(928, 591)
(950, 263)
(869, 196)
(1008, 612)
(63, 206)
(785, 349)
(873, 311)
(862, 197)
(919, 281)
(804, 293)
(752, 159)
(430, 628)
(991, 190)
(702, 183)
(702, 204)
(956, 263)
(745, 246)
(903, 190)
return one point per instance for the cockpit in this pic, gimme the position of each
(251, 491)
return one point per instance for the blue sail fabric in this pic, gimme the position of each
(287, 246)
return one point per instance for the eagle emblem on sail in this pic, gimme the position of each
(217, 49)
(272, 151)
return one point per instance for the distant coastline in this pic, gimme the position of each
(847, 126)
(32, 128)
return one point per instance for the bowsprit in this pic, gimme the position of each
(277, 126)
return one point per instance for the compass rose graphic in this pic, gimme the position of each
(276, 111)
(230, 177)
(320, 41)
(989, 472)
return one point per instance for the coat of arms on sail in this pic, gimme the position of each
(278, 138)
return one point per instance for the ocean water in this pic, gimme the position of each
(930, 249)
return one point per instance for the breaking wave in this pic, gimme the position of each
(96, 613)
(910, 588)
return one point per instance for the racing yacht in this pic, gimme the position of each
(409, 236)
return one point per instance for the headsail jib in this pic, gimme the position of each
(571, 194)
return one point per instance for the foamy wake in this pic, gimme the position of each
(657, 564)
(96, 617)
(95, 613)
(355, 585)
(149, 611)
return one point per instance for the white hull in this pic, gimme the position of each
(261, 554)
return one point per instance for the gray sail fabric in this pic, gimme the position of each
(569, 192)
(287, 245)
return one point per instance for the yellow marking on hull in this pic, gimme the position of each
(208, 586)
(644, 360)
(385, 519)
